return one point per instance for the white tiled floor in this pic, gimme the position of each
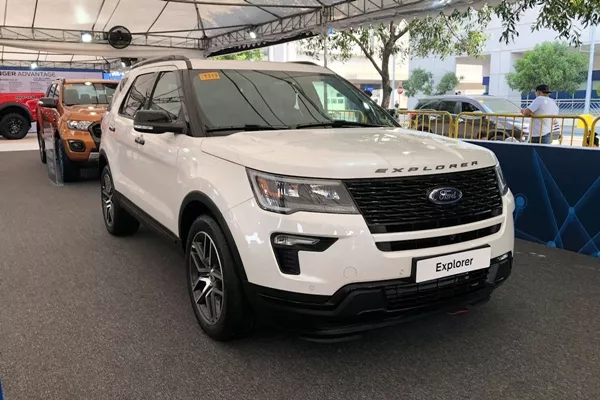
(29, 142)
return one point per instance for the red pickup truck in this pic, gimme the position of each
(17, 112)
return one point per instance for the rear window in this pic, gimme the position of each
(427, 105)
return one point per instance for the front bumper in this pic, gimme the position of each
(359, 307)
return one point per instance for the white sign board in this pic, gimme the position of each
(27, 81)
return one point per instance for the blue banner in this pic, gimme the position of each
(557, 193)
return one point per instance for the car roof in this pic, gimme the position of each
(458, 97)
(204, 64)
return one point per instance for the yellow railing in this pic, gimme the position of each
(516, 127)
(438, 122)
(348, 115)
(594, 133)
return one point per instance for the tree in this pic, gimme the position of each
(421, 81)
(442, 35)
(459, 33)
(250, 55)
(554, 64)
(448, 83)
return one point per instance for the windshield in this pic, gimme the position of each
(88, 93)
(278, 99)
(499, 106)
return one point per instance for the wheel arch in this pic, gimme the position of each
(197, 203)
(102, 161)
(18, 108)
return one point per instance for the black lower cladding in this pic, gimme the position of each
(363, 306)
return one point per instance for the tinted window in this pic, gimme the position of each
(137, 96)
(499, 106)
(449, 106)
(56, 91)
(231, 98)
(428, 105)
(167, 95)
(468, 107)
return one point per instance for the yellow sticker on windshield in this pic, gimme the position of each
(209, 76)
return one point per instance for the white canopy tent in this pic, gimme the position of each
(50, 31)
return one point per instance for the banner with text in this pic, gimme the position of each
(28, 81)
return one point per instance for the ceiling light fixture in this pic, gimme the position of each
(252, 34)
(34, 65)
(86, 37)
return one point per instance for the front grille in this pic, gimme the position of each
(410, 295)
(401, 205)
(96, 132)
(438, 241)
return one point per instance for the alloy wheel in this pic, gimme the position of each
(206, 275)
(14, 126)
(107, 199)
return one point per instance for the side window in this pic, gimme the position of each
(167, 95)
(56, 92)
(468, 107)
(449, 106)
(50, 91)
(137, 96)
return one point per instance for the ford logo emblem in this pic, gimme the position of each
(447, 195)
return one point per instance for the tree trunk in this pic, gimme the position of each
(386, 86)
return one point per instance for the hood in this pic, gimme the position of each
(88, 112)
(348, 153)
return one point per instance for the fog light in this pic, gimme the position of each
(77, 146)
(287, 240)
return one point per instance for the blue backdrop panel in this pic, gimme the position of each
(557, 193)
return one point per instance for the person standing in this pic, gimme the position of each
(541, 128)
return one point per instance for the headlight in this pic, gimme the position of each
(502, 185)
(288, 195)
(79, 125)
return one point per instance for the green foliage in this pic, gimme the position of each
(459, 33)
(447, 83)
(419, 81)
(250, 55)
(554, 64)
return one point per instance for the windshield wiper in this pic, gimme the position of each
(247, 127)
(338, 123)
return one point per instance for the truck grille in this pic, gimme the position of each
(410, 295)
(96, 132)
(401, 205)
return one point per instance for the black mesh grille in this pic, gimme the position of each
(401, 204)
(409, 295)
(96, 132)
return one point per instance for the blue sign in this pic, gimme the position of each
(330, 31)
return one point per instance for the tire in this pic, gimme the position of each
(67, 170)
(14, 126)
(211, 270)
(117, 220)
(42, 146)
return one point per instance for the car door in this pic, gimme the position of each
(471, 126)
(155, 169)
(121, 127)
(443, 124)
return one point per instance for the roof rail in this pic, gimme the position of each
(161, 59)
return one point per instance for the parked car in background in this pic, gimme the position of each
(472, 126)
(70, 113)
(17, 113)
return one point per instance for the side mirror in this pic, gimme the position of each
(48, 102)
(156, 121)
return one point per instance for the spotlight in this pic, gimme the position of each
(123, 64)
(252, 34)
(86, 37)
(34, 65)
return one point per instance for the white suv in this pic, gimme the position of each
(299, 199)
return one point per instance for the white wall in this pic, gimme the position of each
(500, 57)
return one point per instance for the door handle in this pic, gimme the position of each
(140, 140)
(111, 128)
